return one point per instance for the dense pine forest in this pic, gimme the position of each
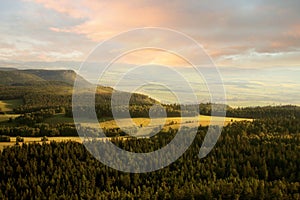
(246, 163)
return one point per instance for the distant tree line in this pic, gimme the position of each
(288, 111)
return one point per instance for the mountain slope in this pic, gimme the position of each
(33, 76)
(15, 77)
(53, 88)
(67, 76)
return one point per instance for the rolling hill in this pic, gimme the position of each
(52, 88)
(33, 76)
(67, 76)
(16, 77)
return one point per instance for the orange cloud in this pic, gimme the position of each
(153, 56)
(227, 29)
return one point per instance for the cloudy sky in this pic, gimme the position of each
(241, 35)
(255, 33)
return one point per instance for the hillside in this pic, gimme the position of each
(34, 76)
(51, 88)
(16, 77)
(67, 76)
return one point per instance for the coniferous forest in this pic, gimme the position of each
(248, 162)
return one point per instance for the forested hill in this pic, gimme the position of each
(35, 76)
(285, 111)
(256, 112)
(41, 89)
(17, 77)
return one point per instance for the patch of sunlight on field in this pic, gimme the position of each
(9, 105)
(6, 117)
(145, 127)
(174, 122)
(29, 140)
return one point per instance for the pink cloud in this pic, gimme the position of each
(223, 28)
(71, 8)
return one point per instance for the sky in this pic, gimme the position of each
(258, 39)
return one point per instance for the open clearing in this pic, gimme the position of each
(9, 105)
(6, 117)
(38, 140)
(172, 122)
(29, 140)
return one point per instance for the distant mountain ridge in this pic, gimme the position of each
(35, 76)
(7, 69)
(53, 88)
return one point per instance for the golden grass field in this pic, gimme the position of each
(6, 117)
(172, 122)
(176, 121)
(28, 140)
